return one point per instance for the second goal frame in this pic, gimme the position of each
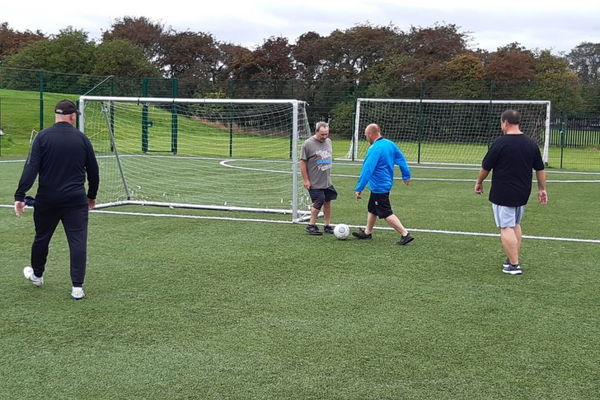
(443, 115)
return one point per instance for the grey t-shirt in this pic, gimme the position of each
(318, 157)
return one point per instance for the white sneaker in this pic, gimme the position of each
(29, 275)
(77, 293)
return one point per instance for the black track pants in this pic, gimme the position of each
(75, 222)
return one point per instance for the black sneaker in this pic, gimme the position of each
(313, 230)
(406, 240)
(506, 264)
(361, 234)
(328, 229)
(512, 269)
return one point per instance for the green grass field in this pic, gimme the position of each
(186, 304)
(193, 307)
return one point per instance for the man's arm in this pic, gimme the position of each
(304, 170)
(93, 173)
(400, 161)
(541, 180)
(367, 169)
(30, 171)
(483, 173)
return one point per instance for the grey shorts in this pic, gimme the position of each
(507, 217)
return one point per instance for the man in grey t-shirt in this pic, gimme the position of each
(315, 163)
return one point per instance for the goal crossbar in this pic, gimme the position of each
(355, 152)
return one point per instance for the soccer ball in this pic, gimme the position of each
(341, 231)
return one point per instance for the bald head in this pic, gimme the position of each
(372, 133)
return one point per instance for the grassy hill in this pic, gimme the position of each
(20, 114)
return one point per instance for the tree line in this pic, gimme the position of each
(330, 71)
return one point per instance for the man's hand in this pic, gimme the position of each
(357, 195)
(483, 173)
(406, 181)
(542, 197)
(307, 184)
(19, 208)
(91, 204)
(478, 188)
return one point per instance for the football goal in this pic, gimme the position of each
(220, 154)
(446, 131)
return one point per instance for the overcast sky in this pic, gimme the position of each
(555, 25)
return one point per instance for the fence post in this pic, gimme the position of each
(491, 118)
(41, 87)
(1, 131)
(420, 125)
(562, 138)
(174, 121)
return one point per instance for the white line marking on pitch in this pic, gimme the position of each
(352, 226)
(226, 163)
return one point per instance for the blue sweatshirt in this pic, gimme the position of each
(378, 167)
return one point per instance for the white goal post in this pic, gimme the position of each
(446, 131)
(218, 154)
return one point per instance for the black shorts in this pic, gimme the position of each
(322, 196)
(379, 204)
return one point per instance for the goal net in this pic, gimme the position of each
(446, 131)
(236, 155)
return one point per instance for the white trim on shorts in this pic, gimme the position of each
(507, 217)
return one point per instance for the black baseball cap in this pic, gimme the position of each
(65, 107)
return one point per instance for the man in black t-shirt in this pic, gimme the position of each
(61, 157)
(512, 157)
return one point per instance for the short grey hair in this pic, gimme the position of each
(321, 124)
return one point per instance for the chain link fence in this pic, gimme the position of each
(27, 98)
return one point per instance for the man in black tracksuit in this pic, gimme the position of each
(62, 156)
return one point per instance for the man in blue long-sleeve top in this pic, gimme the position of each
(378, 172)
(61, 157)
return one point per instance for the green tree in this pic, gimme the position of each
(585, 60)
(416, 57)
(465, 75)
(350, 53)
(70, 51)
(342, 118)
(308, 54)
(121, 58)
(555, 81)
(393, 76)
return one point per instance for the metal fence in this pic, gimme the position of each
(34, 93)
